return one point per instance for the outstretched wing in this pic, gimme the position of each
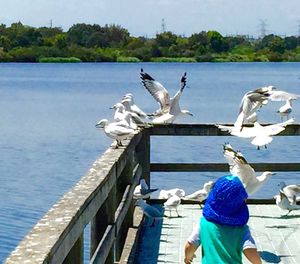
(175, 107)
(157, 90)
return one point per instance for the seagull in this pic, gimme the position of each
(286, 109)
(149, 211)
(201, 194)
(169, 107)
(239, 166)
(123, 117)
(290, 191)
(284, 203)
(251, 102)
(166, 194)
(261, 134)
(172, 203)
(115, 130)
(137, 119)
(142, 191)
(275, 95)
(133, 107)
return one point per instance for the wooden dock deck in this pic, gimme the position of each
(277, 236)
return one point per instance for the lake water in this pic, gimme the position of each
(48, 138)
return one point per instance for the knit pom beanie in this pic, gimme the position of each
(226, 204)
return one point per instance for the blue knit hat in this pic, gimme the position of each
(226, 204)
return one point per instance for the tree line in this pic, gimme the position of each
(113, 43)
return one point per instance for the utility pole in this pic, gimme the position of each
(163, 26)
(50, 23)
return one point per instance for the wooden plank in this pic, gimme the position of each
(104, 246)
(207, 130)
(132, 238)
(219, 167)
(127, 198)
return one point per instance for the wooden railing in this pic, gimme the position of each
(103, 199)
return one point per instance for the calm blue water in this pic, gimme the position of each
(48, 139)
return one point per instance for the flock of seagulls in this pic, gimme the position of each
(251, 102)
(128, 118)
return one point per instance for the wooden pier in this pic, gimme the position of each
(103, 199)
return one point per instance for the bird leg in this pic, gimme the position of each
(170, 213)
(119, 143)
(288, 212)
(265, 146)
(177, 213)
(258, 148)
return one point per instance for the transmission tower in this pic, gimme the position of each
(263, 29)
(163, 25)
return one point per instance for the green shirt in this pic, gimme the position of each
(221, 244)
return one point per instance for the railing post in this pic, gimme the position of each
(143, 154)
(103, 217)
(75, 255)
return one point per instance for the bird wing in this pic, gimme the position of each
(282, 96)
(157, 90)
(175, 107)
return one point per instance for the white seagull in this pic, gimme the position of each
(291, 191)
(123, 117)
(239, 166)
(149, 211)
(262, 135)
(166, 194)
(251, 102)
(286, 109)
(169, 107)
(284, 203)
(115, 130)
(133, 107)
(142, 191)
(201, 194)
(172, 203)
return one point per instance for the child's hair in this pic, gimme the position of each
(226, 202)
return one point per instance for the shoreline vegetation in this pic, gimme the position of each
(112, 43)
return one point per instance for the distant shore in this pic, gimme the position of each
(113, 43)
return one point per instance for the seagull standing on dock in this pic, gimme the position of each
(169, 108)
(115, 130)
(239, 166)
(142, 191)
(201, 194)
(166, 194)
(149, 211)
(172, 203)
(284, 203)
(291, 191)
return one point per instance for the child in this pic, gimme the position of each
(223, 231)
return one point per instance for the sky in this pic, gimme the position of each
(144, 17)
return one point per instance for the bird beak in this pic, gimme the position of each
(98, 126)
(274, 173)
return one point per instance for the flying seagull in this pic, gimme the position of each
(239, 166)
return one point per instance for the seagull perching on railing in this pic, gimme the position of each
(169, 107)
